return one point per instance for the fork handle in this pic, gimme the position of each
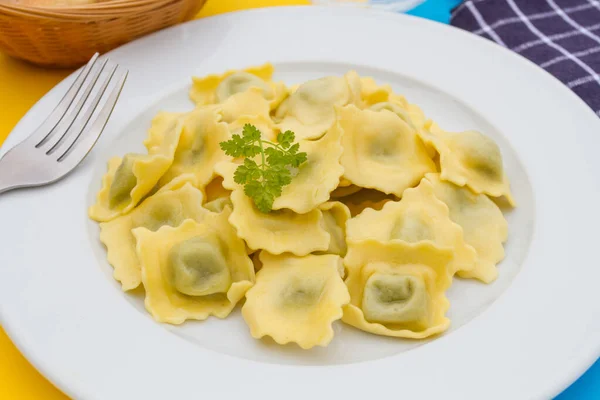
(19, 171)
(5, 186)
(11, 173)
(6, 180)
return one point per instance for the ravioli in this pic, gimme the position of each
(472, 159)
(417, 116)
(296, 299)
(310, 111)
(418, 217)
(264, 124)
(215, 190)
(397, 288)
(218, 88)
(226, 170)
(218, 205)
(250, 104)
(278, 231)
(409, 113)
(335, 217)
(381, 151)
(381, 97)
(162, 124)
(385, 199)
(394, 108)
(131, 178)
(484, 226)
(198, 150)
(346, 190)
(256, 260)
(366, 198)
(344, 182)
(165, 208)
(314, 181)
(372, 93)
(317, 177)
(193, 271)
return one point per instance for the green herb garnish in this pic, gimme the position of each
(280, 161)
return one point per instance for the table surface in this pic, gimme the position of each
(24, 84)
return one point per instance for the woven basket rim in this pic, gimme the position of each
(120, 6)
(87, 6)
(80, 15)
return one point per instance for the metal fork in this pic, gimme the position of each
(66, 137)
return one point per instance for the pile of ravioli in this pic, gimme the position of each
(373, 229)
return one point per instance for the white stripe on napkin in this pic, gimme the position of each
(532, 28)
(557, 36)
(542, 15)
(486, 28)
(571, 22)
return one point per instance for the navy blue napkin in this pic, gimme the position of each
(561, 36)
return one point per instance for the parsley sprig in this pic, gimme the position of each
(280, 161)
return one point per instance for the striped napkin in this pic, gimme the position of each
(561, 36)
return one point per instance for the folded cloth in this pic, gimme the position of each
(561, 36)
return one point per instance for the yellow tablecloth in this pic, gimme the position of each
(22, 86)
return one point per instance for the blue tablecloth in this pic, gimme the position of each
(588, 386)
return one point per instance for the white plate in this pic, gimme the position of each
(528, 335)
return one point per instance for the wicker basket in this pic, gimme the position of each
(68, 37)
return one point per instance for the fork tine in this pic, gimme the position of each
(81, 121)
(72, 113)
(45, 130)
(70, 158)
